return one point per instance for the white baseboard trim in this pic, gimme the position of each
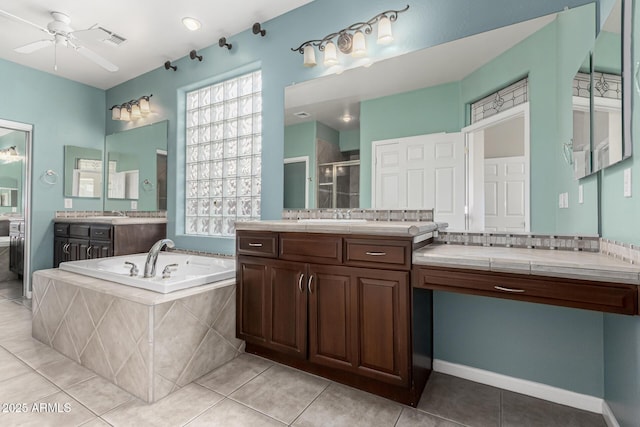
(517, 385)
(608, 415)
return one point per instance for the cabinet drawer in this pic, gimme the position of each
(61, 229)
(99, 232)
(316, 248)
(79, 230)
(600, 296)
(258, 244)
(378, 253)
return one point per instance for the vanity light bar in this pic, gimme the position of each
(132, 110)
(350, 40)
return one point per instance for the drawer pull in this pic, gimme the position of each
(376, 253)
(255, 245)
(89, 251)
(515, 291)
(309, 284)
(300, 282)
(65, 248)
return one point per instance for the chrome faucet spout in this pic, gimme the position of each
(152, 256)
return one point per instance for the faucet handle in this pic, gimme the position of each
(134, 268)
(166, 273)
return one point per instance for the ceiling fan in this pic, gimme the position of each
(61, 33)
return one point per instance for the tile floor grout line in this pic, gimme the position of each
(206, 409)
(311, 403)
(237, 388)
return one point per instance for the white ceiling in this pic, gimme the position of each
(152, 28)
(324, 99)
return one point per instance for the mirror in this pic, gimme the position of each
(608, 142)
(136, 169)
(12, 150)
(429, 93)
(578, 152)
(82, 172)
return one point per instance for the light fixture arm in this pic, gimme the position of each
(344, 35)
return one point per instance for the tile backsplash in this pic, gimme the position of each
(527, 241)
(130, 214)
(623, 251)
(368, 214)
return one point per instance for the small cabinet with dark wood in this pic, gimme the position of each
(322, 304)
(78, 241)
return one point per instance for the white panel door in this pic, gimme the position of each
(505, 194)
(422, 172)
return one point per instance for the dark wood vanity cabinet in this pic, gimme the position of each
(78, 241)
(300, 302)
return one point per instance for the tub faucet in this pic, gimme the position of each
(152, 256)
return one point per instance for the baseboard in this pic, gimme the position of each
(608, 415)
(517, 385)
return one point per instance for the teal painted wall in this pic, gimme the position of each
(327, 133)
(62, 113)
(350, 140)
(11, 173)
(430, 110)
(619, 216)
(562, 347)
(300, 141)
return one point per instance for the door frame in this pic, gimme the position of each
(307, 178)
(26, 199)
(521, 110)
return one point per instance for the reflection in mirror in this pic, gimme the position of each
(581, 141)
(82, 172)
(608, 144)
(137, 169)
(407, 116)
(12, 149)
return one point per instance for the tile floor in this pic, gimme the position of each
(248, 391)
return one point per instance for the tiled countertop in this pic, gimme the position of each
(375, 228)
(568, 264)
(113, 220)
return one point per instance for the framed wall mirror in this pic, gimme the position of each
(82, 172)
(611, 89)
(136, 169)
(428, 93)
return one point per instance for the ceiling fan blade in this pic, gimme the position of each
(24, 21)
(32, 47)
(89, 54)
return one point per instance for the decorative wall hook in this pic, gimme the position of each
(257, 29)
(193, 55)
(168, 66)
(223, 43)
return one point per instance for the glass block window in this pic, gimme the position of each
(508, 97)
(223, 155)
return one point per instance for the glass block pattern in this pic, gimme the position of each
(223, 155)
(504, 99)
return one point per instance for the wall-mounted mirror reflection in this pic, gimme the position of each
(82, 172)
(578, 151)
(407, 120)
(608, 142)
(136, 168)
(12, 149)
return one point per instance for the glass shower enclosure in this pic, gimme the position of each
(339, 185)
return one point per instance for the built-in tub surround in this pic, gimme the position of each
(149, 344)
(174, 271)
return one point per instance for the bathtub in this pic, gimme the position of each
(192, 270)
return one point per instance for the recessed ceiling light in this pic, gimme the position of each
(191, 23)
(346, 118)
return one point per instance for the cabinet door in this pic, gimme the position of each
(331, 320)
(60, 251)
(287, 308)
(251, 300)
(100, 249)
(382, 307)
(77, 249)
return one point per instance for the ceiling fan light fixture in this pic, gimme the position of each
(192, 24)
